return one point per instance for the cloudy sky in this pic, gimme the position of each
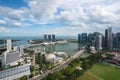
(61, 17)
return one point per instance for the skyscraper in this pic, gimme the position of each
(84, 37)
(9, 45)
(99, 42)
(103, 42)
(95, 40)
(108, 39)
(118, 40)
(49, 37)
(45, 37)
(53, 37)
(79, 38)
(21, 50)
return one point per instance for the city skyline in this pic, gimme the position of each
(66, 18)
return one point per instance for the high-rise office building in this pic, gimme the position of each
(114, 40)
(108, 39)
(95, 36)
(96, 40)
(45, 37)
(99, 42)
(79, 38)
(103, 42)
(49, 37)
(84, 37)
(53, 37)
(90, 37)
(118, 40)
(9, 45)
(21, 50)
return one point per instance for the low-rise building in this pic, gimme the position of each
(16, 72)
(61, 54)
(117, 57)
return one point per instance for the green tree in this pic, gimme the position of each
(23, 78)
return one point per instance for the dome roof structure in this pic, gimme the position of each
(50, 57)
(61, 54)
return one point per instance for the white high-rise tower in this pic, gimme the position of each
(21, 50)
(99, 42)
(9, 45)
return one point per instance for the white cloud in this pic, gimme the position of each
(17, 23)
(14, 14)
(3, 29)
(88, 15)
(2, 22)
(44, 8)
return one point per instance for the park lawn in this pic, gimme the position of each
(101, 71)
(85, 55)
(87, 76)
(105, 71)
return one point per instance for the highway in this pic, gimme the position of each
(60, 67)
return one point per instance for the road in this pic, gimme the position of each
(60, 67)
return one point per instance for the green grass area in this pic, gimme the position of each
(101, 71)
(105, 72)
(88, 76)
(85, 55)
